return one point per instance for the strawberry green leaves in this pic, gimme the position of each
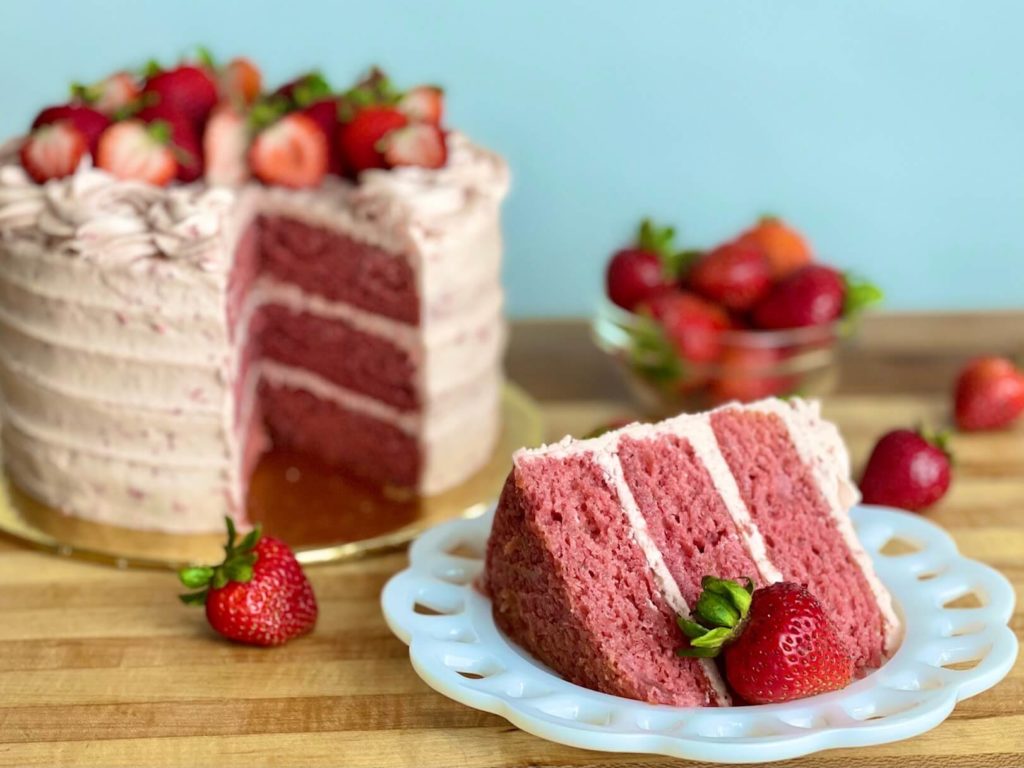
(717, 617)
(239, 559)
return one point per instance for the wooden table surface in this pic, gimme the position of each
(104, 667)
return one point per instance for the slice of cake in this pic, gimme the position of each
(598, 545)
(341, 297)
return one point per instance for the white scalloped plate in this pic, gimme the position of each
(948, 653)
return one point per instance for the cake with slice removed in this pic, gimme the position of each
(598, 545)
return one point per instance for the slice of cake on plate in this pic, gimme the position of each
(330, 286)
(599, 544)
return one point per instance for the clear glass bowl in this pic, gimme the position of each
(749, 364)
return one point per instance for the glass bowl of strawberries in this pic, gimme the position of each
(754, 317)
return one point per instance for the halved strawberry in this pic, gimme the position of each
(421, 144)
(133, 150)
(184, 139)
(53, 151)
(424, 104)
(187, 89)
(360, 138)
(111, 94)
(240, 81)
(89, 121)
(225, 144)
(291, 153)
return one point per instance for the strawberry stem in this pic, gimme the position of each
(239, 559)
(717, 618)
(860, 294)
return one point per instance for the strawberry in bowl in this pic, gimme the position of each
(756, 316)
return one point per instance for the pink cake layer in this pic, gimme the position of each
(372, 449)
(571, 585)
(336, 351)
(685, 515)
(339, 268)
(800, 536)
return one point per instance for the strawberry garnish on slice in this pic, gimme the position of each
(989, 394)
(187, 89)
(91, 122)
(777, 642)
(240, 82)
(420, 144)
(259, 594)
(111, 95)
(53, 151)
(184, 139)
(291, 152)
(361, 138)
(133, 150)
(225, 147)
(423, 104)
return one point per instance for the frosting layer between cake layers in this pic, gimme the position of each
(142, 350)
(697, 499)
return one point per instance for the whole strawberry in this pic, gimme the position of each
(989, 394)
(784, 247)
(639, 272)
(188, 89)
(813, 295)
(736, 275)
(777, 642)
(693, 325)
(258, 595)
(907, 469)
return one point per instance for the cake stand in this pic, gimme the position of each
(324, 516)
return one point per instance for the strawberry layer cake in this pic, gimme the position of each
(193, 270)
(599, 545)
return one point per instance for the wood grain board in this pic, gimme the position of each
(104, 667)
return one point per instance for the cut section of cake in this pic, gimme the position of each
(156, 340)
(599, 545)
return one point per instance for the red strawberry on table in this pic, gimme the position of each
(133, 150)
(184, 138)
(777, 642)
(736, 275)
(989, 394)
(259, 594)
(226, 147)
(187, 89)
(693, 325)
(424, 104)
(53, 151)
(907, 469)
(644, 269)
(361, 138)
(420, 144)
(291, 152)
(89, 121)
(784, 247)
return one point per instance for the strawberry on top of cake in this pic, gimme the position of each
(194, 268)
(598, 559)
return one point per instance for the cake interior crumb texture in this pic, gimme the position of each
(599, 544)
(156, 342)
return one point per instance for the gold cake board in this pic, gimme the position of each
(324, 516)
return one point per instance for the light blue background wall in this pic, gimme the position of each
(892, 131)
